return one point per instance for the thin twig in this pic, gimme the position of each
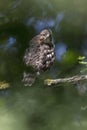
(73, 79)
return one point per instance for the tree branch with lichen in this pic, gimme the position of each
(73, 79)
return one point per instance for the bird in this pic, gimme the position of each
(39, 55)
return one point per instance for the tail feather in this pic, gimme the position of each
(28, 79)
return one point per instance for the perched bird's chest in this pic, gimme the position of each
(43, 58)
(48, 56)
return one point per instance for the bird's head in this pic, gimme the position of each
(46, 36)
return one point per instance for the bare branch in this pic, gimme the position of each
(73, 80)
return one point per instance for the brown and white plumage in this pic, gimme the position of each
(40, 54)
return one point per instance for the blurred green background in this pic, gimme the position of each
(40, 107)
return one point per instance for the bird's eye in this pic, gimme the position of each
(43, 34)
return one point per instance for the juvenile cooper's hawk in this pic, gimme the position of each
(40, 54)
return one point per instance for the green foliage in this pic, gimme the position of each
(83, 62)
(40, 107)
(4, 85)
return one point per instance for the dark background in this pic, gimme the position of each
(40, 107)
